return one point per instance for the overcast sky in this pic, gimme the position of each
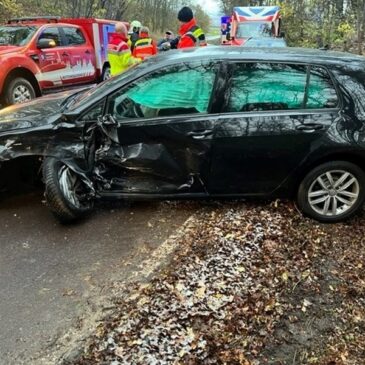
(210, 6)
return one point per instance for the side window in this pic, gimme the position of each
(256, 87)
(51, 33)
(321, 91)
(183, 89)
(259, 87)
(74, 36)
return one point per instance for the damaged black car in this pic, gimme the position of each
(203, 123)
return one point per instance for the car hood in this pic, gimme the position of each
(36, 113)
(9, 49)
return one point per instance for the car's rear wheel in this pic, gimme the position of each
(65, 192)
(19, 90)
(332, 192)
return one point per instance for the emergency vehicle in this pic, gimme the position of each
(250, 22)
(41, 54)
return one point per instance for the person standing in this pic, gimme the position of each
(164, 44)
(145, 46)
(191, 35)
(135, 27)
(119, 54)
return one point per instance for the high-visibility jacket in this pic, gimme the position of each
(119, 55)
(144, 47)
(191, 35)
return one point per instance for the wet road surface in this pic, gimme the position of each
(51, 275)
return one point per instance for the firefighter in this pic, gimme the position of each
(135, 27)
(191, 35)
(145, 46)
(119, 53)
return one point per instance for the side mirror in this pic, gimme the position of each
(46, 43)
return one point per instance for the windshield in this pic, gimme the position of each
(16, 35)
(254, 29)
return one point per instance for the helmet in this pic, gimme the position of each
(135, 24)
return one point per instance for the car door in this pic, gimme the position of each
(54, 63)
(165, 129)
(275, 115)
(81, 55)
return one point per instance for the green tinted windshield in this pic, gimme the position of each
(16, 35)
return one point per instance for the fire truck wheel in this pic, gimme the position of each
(19, 91)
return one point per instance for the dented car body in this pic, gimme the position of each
(203, 123)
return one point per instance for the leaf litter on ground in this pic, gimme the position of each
(249, 284)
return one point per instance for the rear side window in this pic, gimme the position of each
(51, 33)
(74, 36)
(267, 86)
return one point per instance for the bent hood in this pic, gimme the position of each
(36, 113)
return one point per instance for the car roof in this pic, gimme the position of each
(283, 54)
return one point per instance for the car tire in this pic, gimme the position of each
(332, 192)
(64, 204)
(106, 73)
(19, 90)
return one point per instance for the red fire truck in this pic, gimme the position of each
(41, 54)
(248, 22)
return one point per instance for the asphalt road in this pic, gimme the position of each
(51, 276)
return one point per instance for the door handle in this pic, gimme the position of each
(87, 51)
(65, 54)
(200, 134)
(309, 127)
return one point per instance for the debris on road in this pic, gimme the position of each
(249, 284)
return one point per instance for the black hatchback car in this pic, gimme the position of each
(208, 122)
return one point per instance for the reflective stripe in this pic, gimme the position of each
(198, 32)
(143, 41)
(118, 53)
(197, 35)
(143, 48)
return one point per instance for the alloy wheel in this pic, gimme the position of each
(333, 193)
(21, 94)
(69, 185)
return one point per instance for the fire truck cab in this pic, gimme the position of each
(42, 54)
(250, 22)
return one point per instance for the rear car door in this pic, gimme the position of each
(165, 129)
(275, 114)
(81, 56)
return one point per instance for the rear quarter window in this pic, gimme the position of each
(321, 91)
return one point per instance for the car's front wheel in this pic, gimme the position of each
(332, 192)
(19, 90)
(66, 194)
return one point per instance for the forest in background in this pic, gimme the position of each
(340, 24)
(158, 15)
